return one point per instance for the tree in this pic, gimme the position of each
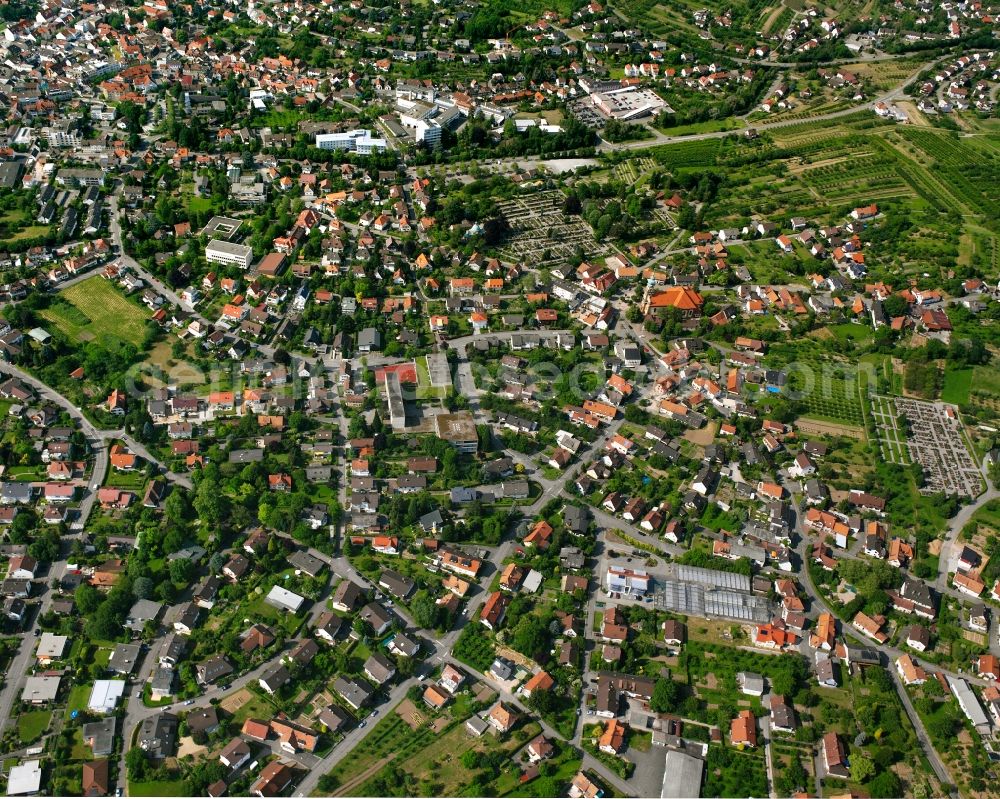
(45, 546)
(282, 356)
(942, 726)
(792, 779)
(177, 507)
(87, 599)
(885, 785)
(209, 502)
(425, 611)
(686, 218)
(472, 759)
(105, 624)
(666, 695)
(571, 205)
(136, 763)
(862, 768)
(181, 571)
(142, 587)
(894, 305)
(531, 636)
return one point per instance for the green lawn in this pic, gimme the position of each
(95, 310)
(30, 232)
(257, 707)
(957, 384)
(278, 119)
(79, 696)
(80, 750)
(988, 516)
(129, 481)
(196, 204)
(566, 764)
(32, 724)
(709, 126)
(264, 612)
(852, 331)
(157, 788)
(26, 473)
(424, 389)
(987, 379)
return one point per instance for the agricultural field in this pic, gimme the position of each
(830, 394)
(864, 173)
(978, 249)
(422, 752)
(94, 310)
(970, 177)
(986, 380)
(883, 75)
(688, 155)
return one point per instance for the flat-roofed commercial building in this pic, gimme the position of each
(356, 141)
(221, 227)
(459, 430)
(628, 104)
(394, 396)
(225, 252)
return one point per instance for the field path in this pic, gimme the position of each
(347, 788)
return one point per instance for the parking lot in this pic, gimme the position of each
(585, 112)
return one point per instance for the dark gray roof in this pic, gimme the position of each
(100, 735)
(158, 735)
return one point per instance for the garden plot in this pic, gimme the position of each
(631, 170)
(540, 231)
(936, 441)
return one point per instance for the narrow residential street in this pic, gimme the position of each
(817, 605)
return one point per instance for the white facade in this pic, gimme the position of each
(356, 141)
(225, 252)
(630, 582)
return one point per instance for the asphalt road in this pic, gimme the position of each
(817, 605)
